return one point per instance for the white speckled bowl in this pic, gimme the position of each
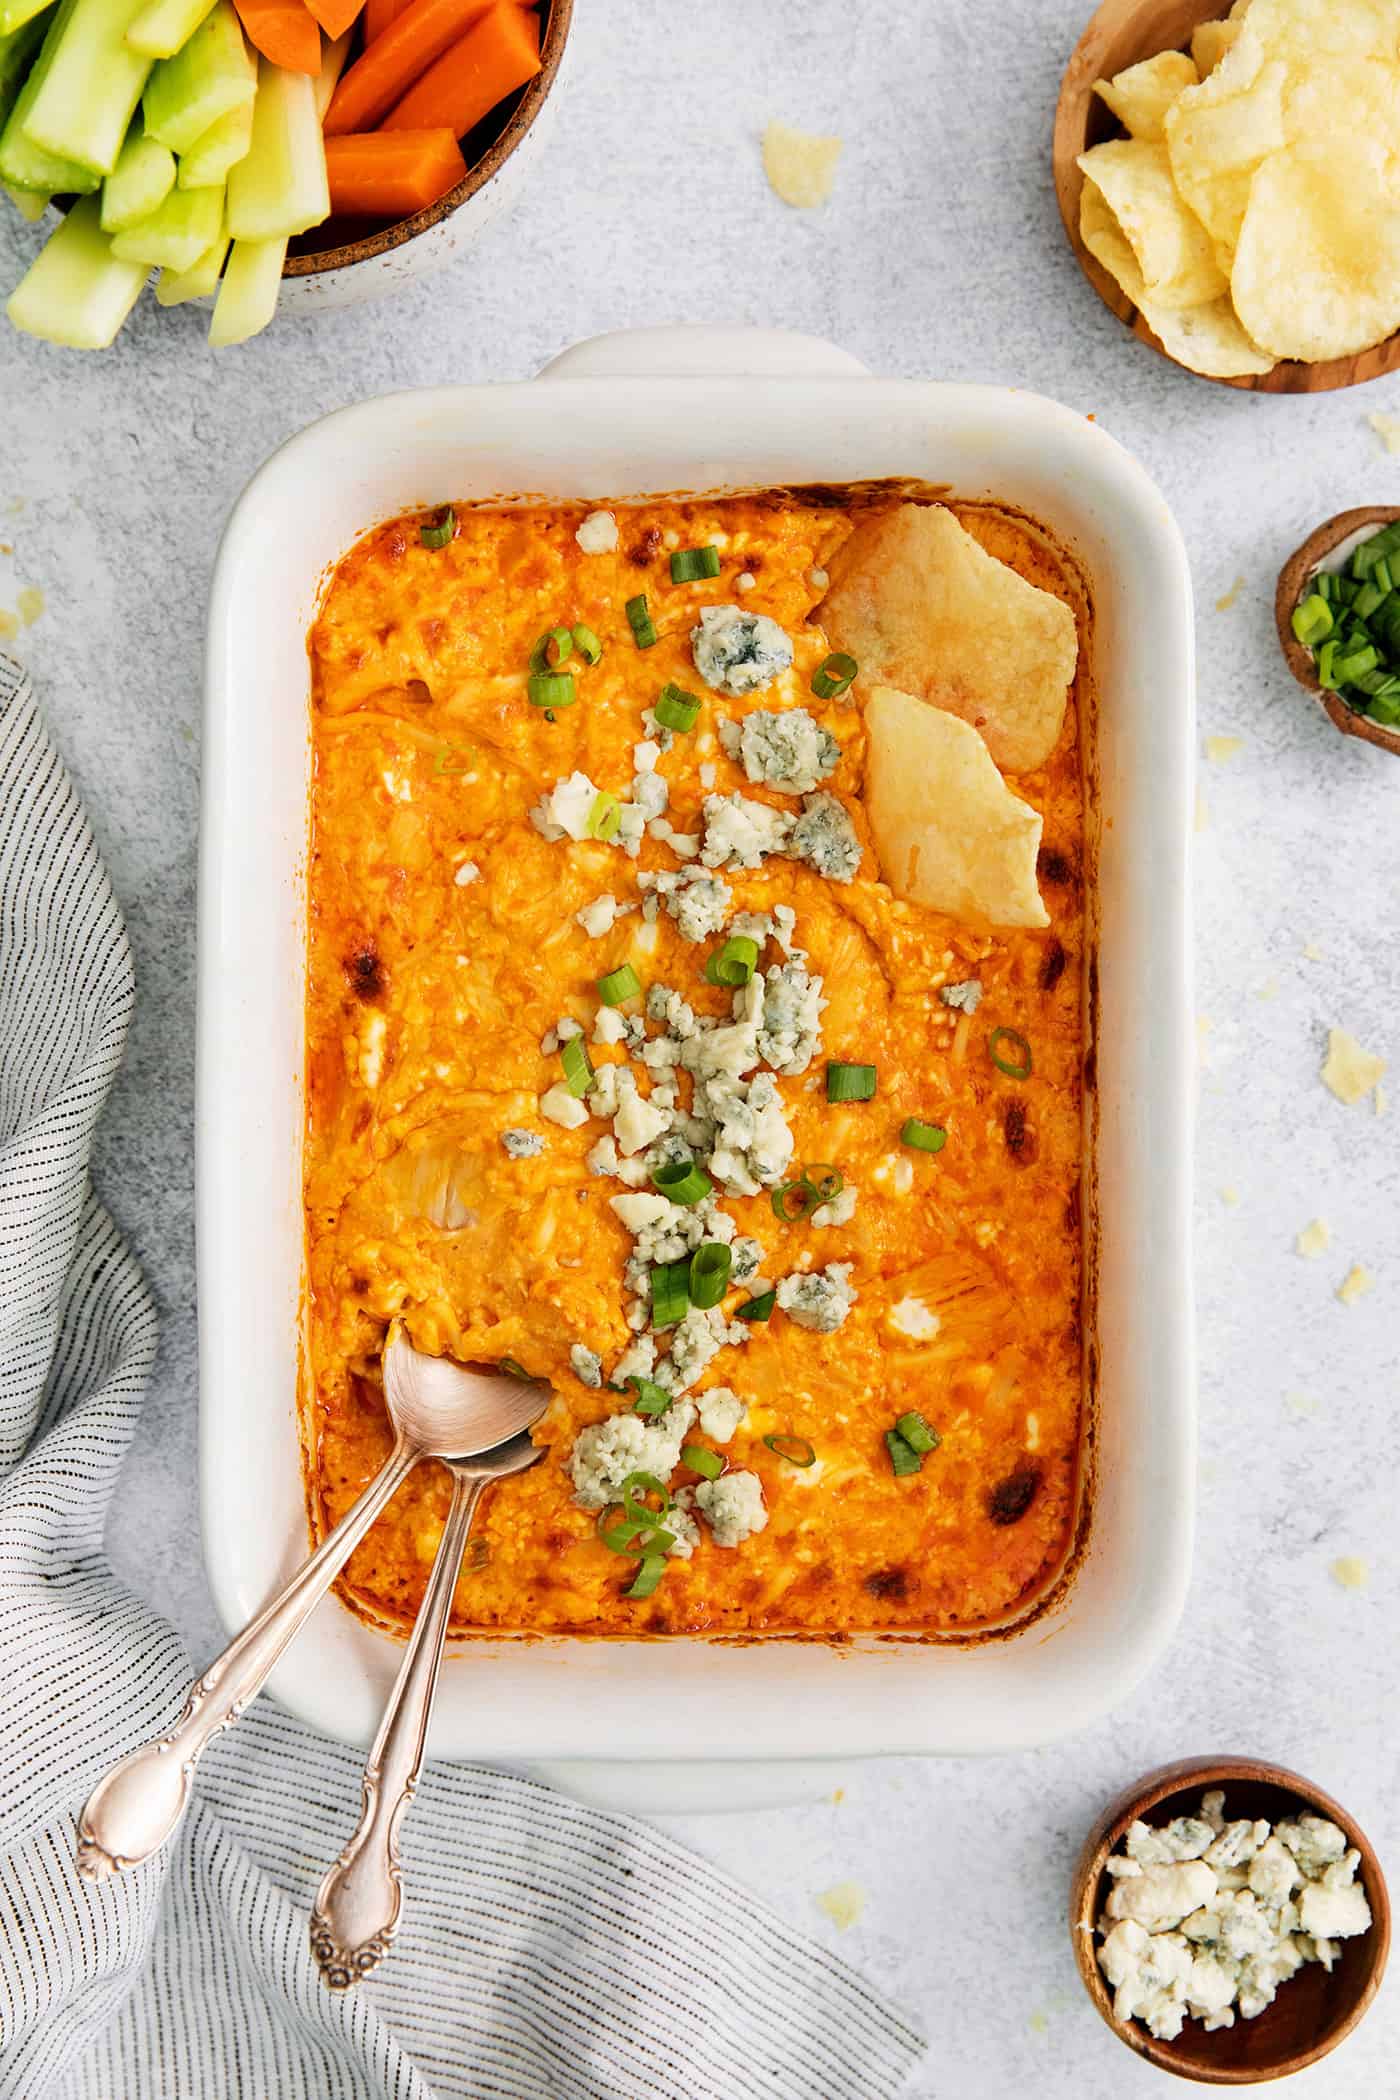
(378, 263)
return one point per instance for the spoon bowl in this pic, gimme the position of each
(451, 1410)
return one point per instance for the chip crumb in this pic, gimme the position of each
(1268, 989)
(1348, 1071)
(1301, 1405)
(800, 165)
(839, 1796)
(1355, 1284)
(1381, 1099)
(1387, 429)
(1039, 2023)
(1230, 1195)
(1221, 749)
(1311, 952)
(9, 625)
(1227, 599)
(843, 1904)
(1314, 1239)
(1202, 812)
(30, 603)
(1350, 1572)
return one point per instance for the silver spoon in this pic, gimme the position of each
(438, 1410)
(359, 1902)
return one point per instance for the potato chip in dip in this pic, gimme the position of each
(922, 607)
(948, 831)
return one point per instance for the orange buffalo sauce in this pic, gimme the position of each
(431, 988)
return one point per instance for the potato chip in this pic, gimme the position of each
(918, 603)
(1141, 96)
(800, 166)
(1205, 338)
(1173, 250)
(948, 831)
(1209, 43)
(1317, 270)
(1218, 133)
(1352, 98)
(1310, 29)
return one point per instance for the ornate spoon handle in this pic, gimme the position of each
(135, 1807)
(360, 1900)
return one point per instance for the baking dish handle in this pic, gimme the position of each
(699, 352)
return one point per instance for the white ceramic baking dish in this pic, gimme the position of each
(618, 418)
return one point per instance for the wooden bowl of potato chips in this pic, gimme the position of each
(1230, 181)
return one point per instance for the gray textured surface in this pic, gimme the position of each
(941, 255)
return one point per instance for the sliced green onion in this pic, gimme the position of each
(554, 647)
(650, 1572)
(652, 1399)
(1382, 575)
(588, 645)
(478, 1554)
(826, 1180)
(916, 1433)
(689, 564)
(903, 1457)
(924, 1137)
(850, 1082)
(759, 1308)
(795, 1449)
(670, 1293)
(639, 620)
(1324, 665)
(682, 1181)
(511, 1368)
(794, 1201)
(442, 528)
(619, 984)
(1353, 662)
(605, 817)
(833, 677)
(551, 689)
(451, 760)
(734, 963)
(1368, 599)
(676, 708)
(1312, 620)
(578, 1066)
(709, 1273)
(708, 1463)
(1022, 1068)
(640, 1483)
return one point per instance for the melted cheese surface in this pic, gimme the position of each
(427, 1001)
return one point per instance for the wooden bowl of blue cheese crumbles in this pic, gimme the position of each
(1230, 1922)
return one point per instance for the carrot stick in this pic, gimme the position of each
(499, 55)
(378, 15)
(384, 73)
(388, 175)
(335, 16)
(284, 31)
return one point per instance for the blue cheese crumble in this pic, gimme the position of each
(606, 1452)
(790, 751)
(586, 1365)
(819, 1301)
(522, 1144)
(965, 997)
(825, 838)
(741, 833)
(739, 652)
(698, 902)
(790, 1027)
(732, 1506)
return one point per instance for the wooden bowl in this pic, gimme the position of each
(1314, 2010)
(1293, 581)
(318, 258)
(1120, 34)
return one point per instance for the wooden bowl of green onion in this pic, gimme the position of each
(1338, 613)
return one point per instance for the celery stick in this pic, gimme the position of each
(139, 184)
(91, 85)
(164, 26)
(177, 233)
(75, 291)
(280, 187)
(14, 14)
(222, 146)
(174, 287)
(30, 204)
(22, 163)
(213, 74)
(17, 49)
(333, 59)
(248, 295)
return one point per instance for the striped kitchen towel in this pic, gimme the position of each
(548, 1952)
